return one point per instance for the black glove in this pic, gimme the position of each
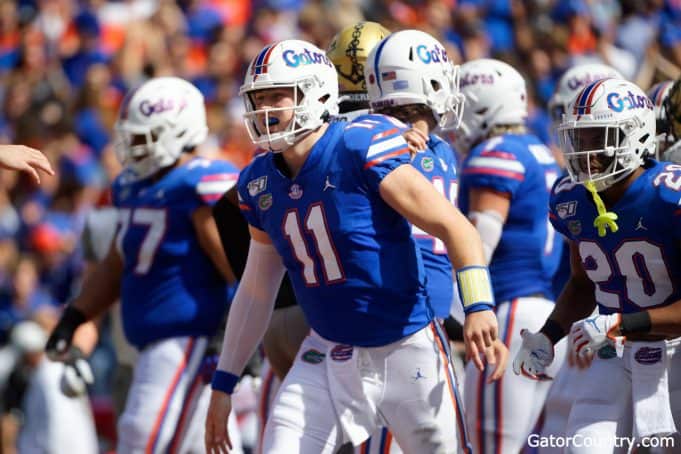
(60, 340)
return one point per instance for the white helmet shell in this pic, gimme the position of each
(572, 82)
(608, 129)
(299, 65)
(495, 94)
(412, 67)
(169, 115)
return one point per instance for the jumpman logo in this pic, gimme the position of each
(328, 185)
(640, 225)
(592, 321)
(418, 375)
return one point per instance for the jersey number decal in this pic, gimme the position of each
(640, 262)
(315, 224)
(155, 220)
(670, 177)
(438, 244)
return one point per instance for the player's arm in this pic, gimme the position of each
(209, 239)
(100, 291)
(577, 301)
(488, 213)
(411, 195)
(248, 319)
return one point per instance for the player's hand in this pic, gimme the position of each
(497, 355)
(589, 335)
(416, 140)
(582, 361)
(77, 374)
(535, 355)
(479, 332)
(26, 159)
(216, 436)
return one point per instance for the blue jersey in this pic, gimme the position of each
(528, 252)
(170, 287)
(355, 268)
(639, 266)
(437, 164)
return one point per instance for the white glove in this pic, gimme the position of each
(535, 355)
(589, 335)
(77, 374)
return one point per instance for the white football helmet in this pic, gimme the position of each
(572, 82)
(412, 67)
(495, 95)
(299, 65)
(658, 94)
(157, 122)
(607, 130)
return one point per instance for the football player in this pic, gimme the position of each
(566, 382)
(504, 189)
(166, 264)
(423, 92)
(619, 211)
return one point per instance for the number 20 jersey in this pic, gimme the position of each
(170, 287)
(639, 266)
(355, 268)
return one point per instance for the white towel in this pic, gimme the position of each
(357, 414)
(650, 388)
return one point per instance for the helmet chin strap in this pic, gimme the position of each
(605, 219)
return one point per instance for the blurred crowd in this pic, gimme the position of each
(65, 66)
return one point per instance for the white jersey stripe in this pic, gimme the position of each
(386, 145)
(212, 187)
(497, 163)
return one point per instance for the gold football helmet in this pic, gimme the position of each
(348, 51)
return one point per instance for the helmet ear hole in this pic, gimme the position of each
(435, 85)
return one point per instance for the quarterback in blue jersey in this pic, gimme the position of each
(620, 212)
(331, 205)
(166, 264)
(504, 189)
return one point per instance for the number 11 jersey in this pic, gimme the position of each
(354, 265)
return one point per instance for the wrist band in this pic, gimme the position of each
(553, 331)
(224, 381)
(72, 317)
(475, 288)
(635, 323)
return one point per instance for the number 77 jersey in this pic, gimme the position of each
(639, 266)
(170, 287)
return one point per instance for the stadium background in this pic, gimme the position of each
(65, 66)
